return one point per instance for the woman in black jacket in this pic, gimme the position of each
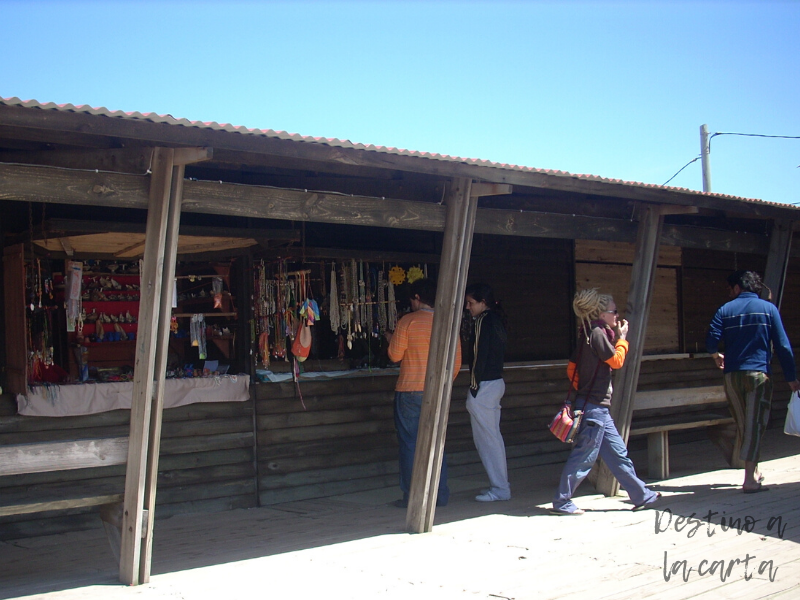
(487, 345)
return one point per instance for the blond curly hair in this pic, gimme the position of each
(588, 305)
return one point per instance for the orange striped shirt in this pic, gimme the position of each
(409, 346)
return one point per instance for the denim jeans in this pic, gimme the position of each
(407, 408)
(598, 436)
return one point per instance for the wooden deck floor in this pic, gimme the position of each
(354, 546)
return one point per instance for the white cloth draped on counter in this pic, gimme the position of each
(90, 398)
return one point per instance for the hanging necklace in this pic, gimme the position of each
(334, 302)
(362, 300)
(391, 308)
(381, 303)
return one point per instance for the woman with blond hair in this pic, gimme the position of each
(601, 348)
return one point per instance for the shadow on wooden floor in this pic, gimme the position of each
(73, 560)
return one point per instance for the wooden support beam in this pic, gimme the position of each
(454, 266)
(658, 455)
(667, 209)
(780, 245)
(45, 184)
(643, 275)
(187, 156)
(120, 160)
(162, 349)
(491, 189)
(144, 366)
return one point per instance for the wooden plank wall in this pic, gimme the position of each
(607, 266)
(345, 441)
(704, 289)
(533, 280)
(206, 464)
(789, 312)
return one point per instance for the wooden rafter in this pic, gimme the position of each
(43, 184)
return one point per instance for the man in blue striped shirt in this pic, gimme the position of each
(750, 328)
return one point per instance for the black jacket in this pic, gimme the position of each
(487, 345)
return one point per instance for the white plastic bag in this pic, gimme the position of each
(792, 426)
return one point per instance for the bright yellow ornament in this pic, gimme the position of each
(397, 275)
(415, 273)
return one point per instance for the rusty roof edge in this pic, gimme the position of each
(347, 144)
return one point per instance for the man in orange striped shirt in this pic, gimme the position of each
(409, 346)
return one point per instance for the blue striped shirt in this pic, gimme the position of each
(750, 327)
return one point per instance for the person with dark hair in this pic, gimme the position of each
(486, 348)
(749, 327)
(409, 345)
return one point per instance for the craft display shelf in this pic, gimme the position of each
(122, 300)
(195, 296)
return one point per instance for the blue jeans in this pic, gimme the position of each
(407, 408)
(598, 436)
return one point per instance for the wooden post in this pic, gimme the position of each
(457, 245)
(780, 244)
(155, 308)
(643, 275)
(162, 347)
(144, 366)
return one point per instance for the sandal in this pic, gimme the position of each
(639, 507)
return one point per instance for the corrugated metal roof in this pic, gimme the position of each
(334, 142)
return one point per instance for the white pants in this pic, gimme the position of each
(484, 413)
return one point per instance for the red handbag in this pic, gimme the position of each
(566, 423)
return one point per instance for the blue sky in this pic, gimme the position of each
(616, 89)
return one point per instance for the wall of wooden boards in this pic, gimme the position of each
(704, 289)
(206, 463)
(345, 440)
(789, 307)
(607, 266)
(342, 441)
(533, 280)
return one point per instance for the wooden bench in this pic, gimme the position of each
(693, 408)
(42, 457)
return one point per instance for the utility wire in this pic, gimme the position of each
(681, 169)
(785, 137)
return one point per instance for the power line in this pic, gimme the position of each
(681, 169)
(785, 137)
